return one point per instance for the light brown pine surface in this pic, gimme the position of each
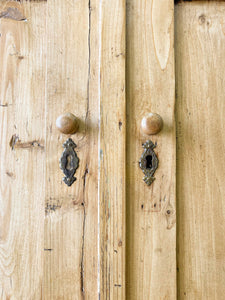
(51, 64)
(200, 117)
(151, 211)
(71, 213)
(22, 119)
(112, 183)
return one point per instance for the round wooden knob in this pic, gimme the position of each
(151, 124)
(67, 123)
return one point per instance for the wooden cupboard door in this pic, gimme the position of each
(68, 230)
(60, 242)
(151, 210)
(199, 107)
(109, 235)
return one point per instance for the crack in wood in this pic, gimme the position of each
(180, 1)
(15, 143)
(89, 59)
(86, 171)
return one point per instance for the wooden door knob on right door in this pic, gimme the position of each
(151, 124)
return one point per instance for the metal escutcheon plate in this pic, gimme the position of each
(148, 162)
(69, 162)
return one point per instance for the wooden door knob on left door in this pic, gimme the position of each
(152, 123)
(67, 123)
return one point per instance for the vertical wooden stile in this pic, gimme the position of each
(112, 150)
(151, 211)
(200, 115)
(71, 222)
(22, 148)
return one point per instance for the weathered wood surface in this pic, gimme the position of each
(69, 243)
(46, 69)
(112, 151)
(151, 211)
(71, 222)
(22, 148)
(200, 115)
(53, 55)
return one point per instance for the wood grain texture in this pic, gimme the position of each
(112, 150)
(201, 1)
(200, 114)
(51, 65)
(22, 118)
(71, 223)
(151, 211)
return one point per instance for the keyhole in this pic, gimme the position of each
(148, 162)
(69, 165)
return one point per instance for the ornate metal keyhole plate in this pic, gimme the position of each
(148, 162)
(69, 162)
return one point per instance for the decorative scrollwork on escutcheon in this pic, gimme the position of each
(69, 162)
(148, 162)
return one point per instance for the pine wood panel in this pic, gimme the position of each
(200, 114)
(112, 150)
(151, 211)
(59, 46)
(22, 148)
(71, 223)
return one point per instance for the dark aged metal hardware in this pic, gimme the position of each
(69, 162)
(148, 162)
